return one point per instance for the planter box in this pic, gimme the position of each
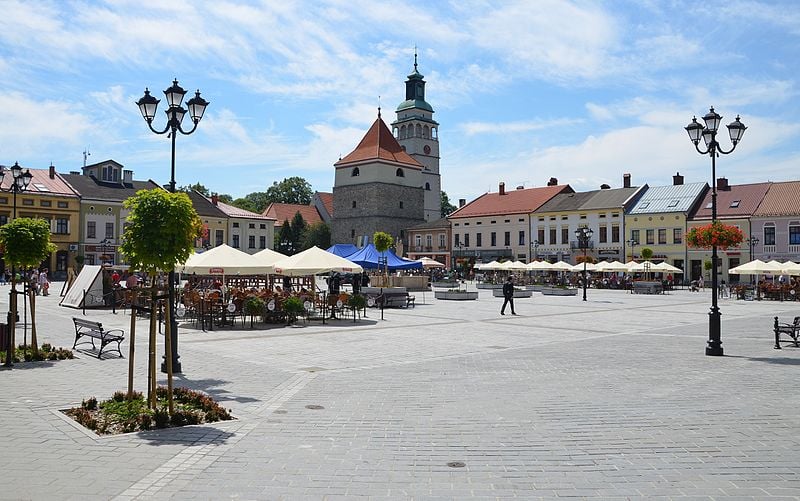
(489, 286)
(517, 293)
(534, 287)
(456, 296)
(449, 285)
(555, 291)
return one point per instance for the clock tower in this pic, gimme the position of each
(418, 134)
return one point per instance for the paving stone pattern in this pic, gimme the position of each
(611, 398)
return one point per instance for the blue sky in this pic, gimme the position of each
(523, 90)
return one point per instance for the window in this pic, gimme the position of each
(219, 237)
(540, 235)
(635, 236)
(603, 237)
(651, 236)
(494, 239)
(418, 240)
(3, 219)
(62, 226)
(769, 235)
(565, 235)
(602, 216)
(251, 242)
(644, 205)
(478, 240)
(262, 242)
(401, 204)
(355, 172)
(521, 237)
(352, 233)
(63, 205)
(662, 236)
(400, 173)
(457, 239)
(507, 239)
(553, 236)
(677, 235)
(252, 226)
(441, 241)
(794, 235)
(615, 234)
(466, 239)
(427, 186)
(235, 225)
(3, 200)
(235, 241)
(709, 205)
(91, 229)
(45, 203)
(735, 204)
(521, 220)
(429, 241)
(354, 204)
(109, 230)
(673, 203)
(27, 201)
(262, 226)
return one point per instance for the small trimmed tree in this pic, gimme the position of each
(26, 243)
(383, 241)
(161, 231)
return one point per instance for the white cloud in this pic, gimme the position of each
(472, 128)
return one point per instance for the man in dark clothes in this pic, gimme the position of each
(508, 295)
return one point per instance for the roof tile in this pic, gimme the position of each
(782, 199)
(511, 202)
(738, 201)
(285, 212)
(379, 144)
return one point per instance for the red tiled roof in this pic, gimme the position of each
(327, 201)
(286, 212)
(749, 197)
(379, 144)
(232, 211)
(41, 183)
(512, 202)
(782, 199)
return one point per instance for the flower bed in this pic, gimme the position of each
(46, 352)
(721, 235)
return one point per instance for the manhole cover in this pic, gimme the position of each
(279, 411)
(314, 407)
(456, 464)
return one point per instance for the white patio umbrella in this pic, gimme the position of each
(539, 266)
(513, 266)
(491, 266)
(431, 263)
(223, 260)
(268, 256)
(314, 261)
(791, 268)
(613, 266)
(578, 268)
(561, 266)
(644, 266)
(755, 267)
(666, 267)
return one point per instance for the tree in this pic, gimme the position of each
(382, 243)
(292, 190)
(647, 253)
(254, 202)
(447, 207)
(26, 243)
(318, 234)
(298, 227)
(161, 231)
(200, 188)
(283, 240)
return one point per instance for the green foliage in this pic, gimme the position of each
(292, 190)
(298, 227)
(447, 207)
(284, 242)
(357, 301)
(254, 202)
(293, 305)
(647, 253)
(46, 353)
(253, 306)
(161, 230)
(707, 265)
(198, 187)
(26, 242)
(383, 241)
(318, 234)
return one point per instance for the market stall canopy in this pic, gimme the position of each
(755, 267)
(612, 266)
(269, 256)
(314, 261)
(430, 263)
(370, 258)
(343, 250)
(223, 260)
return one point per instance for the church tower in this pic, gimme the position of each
(418, 134)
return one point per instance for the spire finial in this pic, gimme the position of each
(379, 106)
(415, 57)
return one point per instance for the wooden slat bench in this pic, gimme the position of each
(94, 330)
(792, 330)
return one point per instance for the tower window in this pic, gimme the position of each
(427, 186)
(352, 233)
(401, 204)
(400, 173)
(427, 149)
(355, 172)
(354, 204)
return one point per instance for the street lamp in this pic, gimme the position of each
(584, 234)
(633, 243)
(18, 184)
(197, 106)
(713, 149)
(752, 242)
(535, 245)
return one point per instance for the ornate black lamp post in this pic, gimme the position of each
(197, 106)
(19, 184)
(752, 242)
(713, 149)
(584, 235)
(633, 243)
(535, 247)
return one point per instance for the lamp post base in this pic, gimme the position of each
(714, 346)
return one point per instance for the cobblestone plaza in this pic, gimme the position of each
(612, 398)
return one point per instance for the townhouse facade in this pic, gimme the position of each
(432, 240)
(776, 223)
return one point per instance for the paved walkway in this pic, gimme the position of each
(611, 398)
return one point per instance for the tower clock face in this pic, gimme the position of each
(427, 149)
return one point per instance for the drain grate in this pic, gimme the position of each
(456, 464)
(314, 407)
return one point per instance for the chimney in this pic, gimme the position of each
(462, 202)
(553, 182)
(52, 171)
(74, 172)
(520, 187)
(502, 188)
(214, 198)
(127, 176)
(722, 184)
(677, 179)
(626, 180)
(605, 187)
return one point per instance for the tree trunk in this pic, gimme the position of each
(132, 342)
(34, 341)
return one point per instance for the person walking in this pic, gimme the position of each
(508, 296)
(44, 283)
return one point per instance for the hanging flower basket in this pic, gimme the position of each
(721, 235)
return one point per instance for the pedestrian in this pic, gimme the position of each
(700, 283)
(44, 283)
(508, 296)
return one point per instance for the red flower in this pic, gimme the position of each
(714, 234)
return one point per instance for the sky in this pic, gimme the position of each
(583, 91)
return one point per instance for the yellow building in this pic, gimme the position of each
(50, 198)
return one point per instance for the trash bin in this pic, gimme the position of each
(3, 336)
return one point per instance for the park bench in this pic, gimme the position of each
(94, 330)
(397, 297)
(792, 330)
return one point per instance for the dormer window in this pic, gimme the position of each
(735, 204)
(400, 173)
(355, 172)
(109, 173)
